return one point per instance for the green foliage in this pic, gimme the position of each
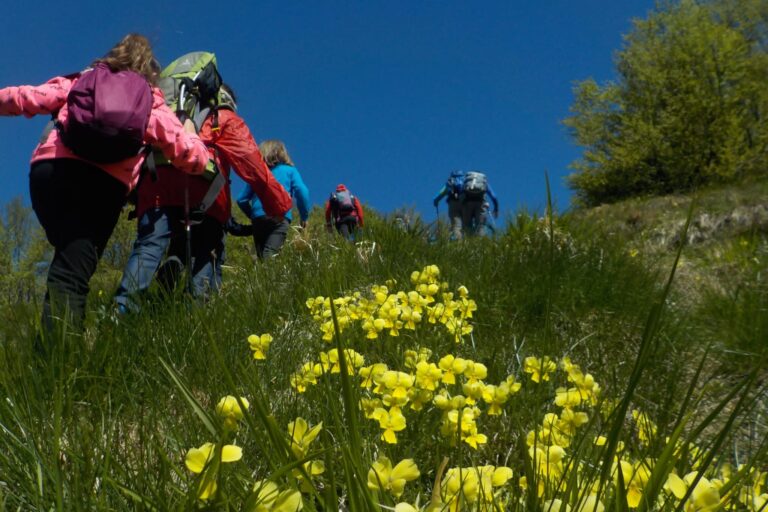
(24, 253)
(688, 107)
(105, 420)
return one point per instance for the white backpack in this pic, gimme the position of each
(475, 186)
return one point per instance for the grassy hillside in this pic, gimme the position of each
(722, 272)
(116, 418)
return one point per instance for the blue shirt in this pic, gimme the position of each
(289, 177)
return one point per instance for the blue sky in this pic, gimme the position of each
(386, 97)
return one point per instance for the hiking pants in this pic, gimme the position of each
(78, 206)
(346, 227)
(160, 231)
(473, 218)
(269, 236)
(454, 214)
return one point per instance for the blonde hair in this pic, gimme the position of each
(274, 153)
(133, 53)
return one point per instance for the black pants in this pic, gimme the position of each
(204, 250)
(78, 206)
(269, 236)
(346, 226)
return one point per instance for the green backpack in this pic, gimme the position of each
(192, 87)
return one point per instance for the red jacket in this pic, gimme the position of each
(235, 149)
(357, 212)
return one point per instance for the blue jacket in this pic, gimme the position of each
(289, 177)
(443, 193)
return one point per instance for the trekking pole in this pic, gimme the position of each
(188, 234)
(437, 212)
(187, 219)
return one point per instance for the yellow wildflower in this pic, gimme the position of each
(383, 477)
(570, 397)
(198, 458)
(539, 368)
(451, 367)
(368, 374)
(228, 409)
(428, 375)
(475, 371)
(495, 397)
(269, 498)
(390, 421)
(302, 436)
(397, 382)
(259, 345)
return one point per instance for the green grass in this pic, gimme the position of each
(104, 422)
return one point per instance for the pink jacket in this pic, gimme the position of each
(164, 131)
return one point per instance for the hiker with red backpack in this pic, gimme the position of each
(87, 163)
(183, 218)
(346, 211)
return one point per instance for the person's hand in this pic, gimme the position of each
(189, 126)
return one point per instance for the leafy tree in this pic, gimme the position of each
(688, 106)
(24, 253)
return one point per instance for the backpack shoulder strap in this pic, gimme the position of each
(217, 185)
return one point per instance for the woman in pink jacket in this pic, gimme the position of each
(78, 202)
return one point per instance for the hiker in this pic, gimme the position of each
(186, 216)
(452, 191)
(401, 220)
(476, 191)
(467, 193)
(78, 188)
(346, 212)
(269, 233)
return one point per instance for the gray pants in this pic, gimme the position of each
(269, 236)
(473, 217)
(468, 218)
(455, 214)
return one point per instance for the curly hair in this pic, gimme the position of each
(274, 153)
(133, 53)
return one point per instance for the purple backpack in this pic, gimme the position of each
(343, 202)
(108, 114)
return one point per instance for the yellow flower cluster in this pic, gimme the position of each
(329, 363)
(453, 385)
(384, 311)
(472, 488)
(267, 496)
(455, 388)
(548, 443)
